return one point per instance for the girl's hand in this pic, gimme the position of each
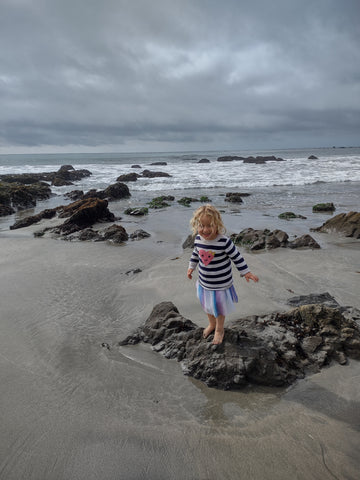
(189, 273)
(250, 276)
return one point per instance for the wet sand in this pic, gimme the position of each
(75, 405)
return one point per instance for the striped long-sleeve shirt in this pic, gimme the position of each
(213, 258)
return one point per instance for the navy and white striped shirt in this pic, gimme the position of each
(213, 258)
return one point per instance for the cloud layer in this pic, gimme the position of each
(178, 74)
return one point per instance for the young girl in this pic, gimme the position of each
(212, 252)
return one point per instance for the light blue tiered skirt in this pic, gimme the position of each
(217, 302)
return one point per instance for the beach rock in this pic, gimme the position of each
(312, 157)
(161, 202)
(323, 298)
(263, 159)
(256, 160)
(186, 201)
(135, 166)
(83, 214)
(116, 191)
(303, 241)
(159, 163)
(27, 221)
(347, 224)
(115, 234)
(204, 160)
(150, 174)
(139, 235)
(6, 210)
(128, 177)
(235, 197)
(265, 239)
(65, 173)
(74, 194)
(290, 216)
(275, 349)
(21, 197)
(323, 207)
(139, 211)
(88, 235)
(229, 158)
(189, 242)
(260, 239)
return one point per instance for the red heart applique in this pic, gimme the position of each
(206, 256)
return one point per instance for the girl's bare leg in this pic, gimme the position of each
(219, 330)
(211, 327)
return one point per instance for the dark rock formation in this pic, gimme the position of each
(159, 163)
(275, 349)
(265, 239)
(290, 216)
(204, 160)
(135, 166)
(115, 234)
(67, 174)
(229, 158)
(161, 202)
(128, 177)
(139, 235)
(64, 176)
(21, 191)
(150, 174)
(139, 211)
(347, 224)
(186, 201)
(74, 194)
(21, 197)
(312, 157)
(83, 214)
(6, 210)
(27, 221)
(305, 241)
(116, 191)
(189, 242)
(235, 197)
(257, 160)
(80, 215)
(323, 207)
(323, 298)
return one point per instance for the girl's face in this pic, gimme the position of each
(206, 228)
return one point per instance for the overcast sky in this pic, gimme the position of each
(166, 75)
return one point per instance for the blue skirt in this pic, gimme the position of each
(217, 302)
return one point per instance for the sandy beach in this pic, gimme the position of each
(75, 405)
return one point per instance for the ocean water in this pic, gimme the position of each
(296, 183)
(332, 165)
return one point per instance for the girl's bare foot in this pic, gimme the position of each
(209, 329)
(218, 337)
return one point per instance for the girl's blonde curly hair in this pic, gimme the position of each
(210, 211)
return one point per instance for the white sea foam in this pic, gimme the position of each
(332, 165)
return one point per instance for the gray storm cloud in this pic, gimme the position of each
(178, 74)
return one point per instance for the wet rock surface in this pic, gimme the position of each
(17, 196)
(64, 176)
(347, 224)
(275, 349)
(266, 240)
